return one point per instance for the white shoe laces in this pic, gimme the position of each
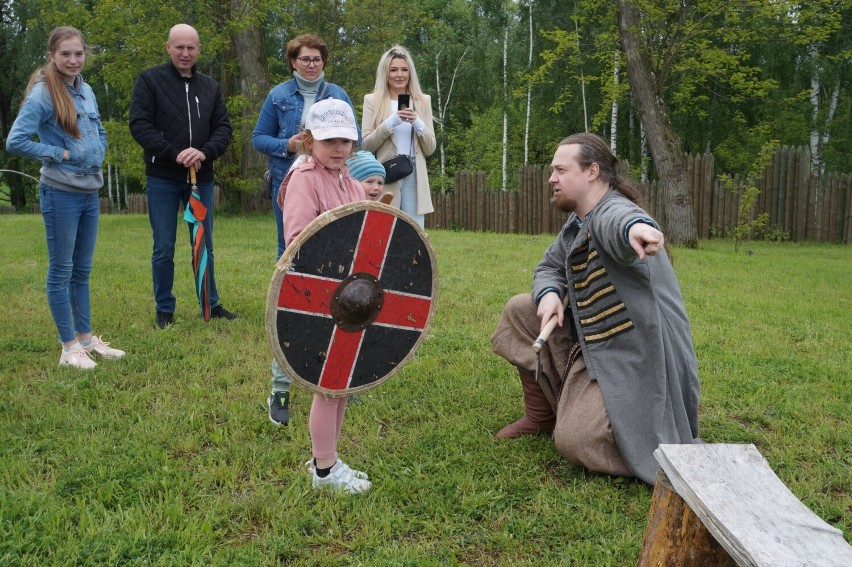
(76, 356)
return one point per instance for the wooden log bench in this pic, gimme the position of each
(722, 505)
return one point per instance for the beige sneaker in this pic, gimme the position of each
(76, 356)
(102, 349)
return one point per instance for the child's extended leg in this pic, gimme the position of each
(325, 423)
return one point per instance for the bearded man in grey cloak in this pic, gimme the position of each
(619, 373)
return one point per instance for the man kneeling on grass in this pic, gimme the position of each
(619, 373)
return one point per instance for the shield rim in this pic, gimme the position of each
(286, 260)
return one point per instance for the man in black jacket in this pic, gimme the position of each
(179, 118)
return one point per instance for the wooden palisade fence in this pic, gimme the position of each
(800, 205)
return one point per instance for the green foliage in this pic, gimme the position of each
(733, 74)
(167, 456)
(748, 194)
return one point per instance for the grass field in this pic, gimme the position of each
(167, 457)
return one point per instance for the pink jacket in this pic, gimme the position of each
(311, 189)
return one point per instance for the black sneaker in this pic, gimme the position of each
(220, 312)
(164, 319)
(279, 407)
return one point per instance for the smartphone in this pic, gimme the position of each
(404, 101)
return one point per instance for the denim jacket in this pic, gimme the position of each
(279, 121)
(85, 155)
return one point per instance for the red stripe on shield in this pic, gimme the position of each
(404, 311)
(373, 245)
(342, 353)
(301, 292)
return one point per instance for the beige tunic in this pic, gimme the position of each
(583, 433)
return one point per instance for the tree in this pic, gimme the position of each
(22, 51)
(662, 139)
(443, 104)
(245, 21)
(818, 26)
(529, 87)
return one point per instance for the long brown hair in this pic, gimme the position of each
(594, 149)
(63, 106)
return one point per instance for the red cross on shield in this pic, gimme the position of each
(351, 298)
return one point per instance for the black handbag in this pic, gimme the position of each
(400, 166)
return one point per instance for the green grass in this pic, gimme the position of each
(167, 457)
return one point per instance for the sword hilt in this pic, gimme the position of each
(548, 328)
(545, 334)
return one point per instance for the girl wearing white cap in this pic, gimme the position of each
(310, 189)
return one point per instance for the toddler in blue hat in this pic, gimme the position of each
(369, 172)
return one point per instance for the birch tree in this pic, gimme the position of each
(529, 87)
(820, 24)
(504, 173)
(444, 104)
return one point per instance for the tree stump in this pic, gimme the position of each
(675, 536)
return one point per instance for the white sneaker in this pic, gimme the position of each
(99, 347)
(76, 356)
(341, 478)
(309, 464)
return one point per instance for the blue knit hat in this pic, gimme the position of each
(362, 165)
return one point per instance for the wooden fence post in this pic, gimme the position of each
(706, 184)
(766, 193)
(690, 183)
(791, 200)
(844, 209)
(803, 177)
(775, 215)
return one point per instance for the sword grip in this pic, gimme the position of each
(548, 328)
(545, 334)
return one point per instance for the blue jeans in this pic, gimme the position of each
(71, 228)
(280, 381)
(408, 197)
(279, 217)
(164, 198)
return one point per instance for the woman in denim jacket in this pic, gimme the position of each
(60, 108)
(279, 134)
(279, 129)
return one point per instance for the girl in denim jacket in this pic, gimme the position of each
(60, 108)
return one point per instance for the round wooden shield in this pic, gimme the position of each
(351, 298)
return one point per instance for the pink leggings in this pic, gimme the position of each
(325, 423)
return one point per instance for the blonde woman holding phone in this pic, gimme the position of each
(398, 121)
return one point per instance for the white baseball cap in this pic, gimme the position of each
(331, 118)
